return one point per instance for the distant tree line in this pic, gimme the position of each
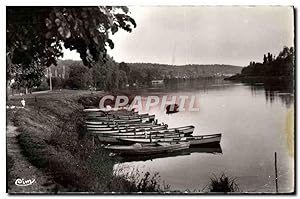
(111, 75)
(282, 65)
(144, 73)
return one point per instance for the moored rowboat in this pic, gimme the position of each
(115, 137)
(114, 122)
(112, 111)
(126, 129)
(139, 134)
(194, 140)
(148, 149)
(204, 139)
(186, 130)
(134, 125)
(118, 118)
(101, 114)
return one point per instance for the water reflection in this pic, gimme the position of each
(282, 90)
(216, 149)
(275, 90)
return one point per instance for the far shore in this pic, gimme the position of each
(258, 79)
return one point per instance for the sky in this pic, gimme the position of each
(203, 35)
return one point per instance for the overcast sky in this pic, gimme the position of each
(203, 35)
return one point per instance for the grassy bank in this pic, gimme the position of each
(54, 139)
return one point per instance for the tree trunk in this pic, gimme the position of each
(50, 80)
(7, 90)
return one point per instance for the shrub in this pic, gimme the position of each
(223, 184)
(43, 86)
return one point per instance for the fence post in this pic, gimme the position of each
(276, 177)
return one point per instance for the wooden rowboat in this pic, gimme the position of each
(112, 115)
(128, 123)
(148, 149)
(120, 118)
(115, 137)
(112, 111)
(127, 129)
(134, 121)
(213, 139)
(194, 140)
(139, 134)
(172, 108)
(137, 125)
(186, 130)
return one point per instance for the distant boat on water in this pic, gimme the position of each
(172, 108)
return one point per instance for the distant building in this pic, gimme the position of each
(57, 71)
(158, 81)
(228, 75)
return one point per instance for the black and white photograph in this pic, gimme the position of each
(150, 99)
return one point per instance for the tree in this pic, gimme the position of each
(99, 74)
(270, 57)
(35, 35)
(28, 77)
(123, 79)
(124, 67)
(109, 76)
(285, 52)
(79, 77)
(265, 59)
(57, 82)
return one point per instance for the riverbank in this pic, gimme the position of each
(52, 138)
(19, 167)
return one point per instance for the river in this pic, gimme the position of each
(255, 122)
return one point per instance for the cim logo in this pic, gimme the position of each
(23, 183)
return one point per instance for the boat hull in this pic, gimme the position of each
(104, 126)
(128, 130)
(124, 130)
(194, 140)
(122, 137)
(111, 122)
(149, 149)
(212, 140)
(100, 116)
(157, 130)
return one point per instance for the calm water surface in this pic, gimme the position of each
(255, 122)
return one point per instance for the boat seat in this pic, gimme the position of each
(163, 143)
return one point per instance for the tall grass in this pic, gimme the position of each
(142, 182)
(223, 184)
